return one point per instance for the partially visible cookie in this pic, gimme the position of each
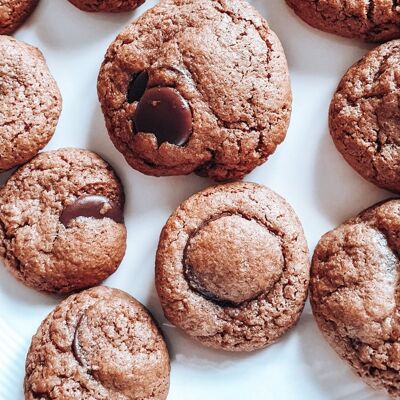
(376, 21)
(107, 5)
(196, 86)
(30, 102)
(364, 116)
(100, 344)
(232, 267)
(61, 221)
(13, 14)
(355, 293)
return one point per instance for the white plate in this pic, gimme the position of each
(306, 169)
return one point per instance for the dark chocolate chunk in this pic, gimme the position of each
(163, 112)
(93, 207)
(137, 87)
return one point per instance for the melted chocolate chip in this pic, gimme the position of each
(137, 87)
(93, 207)
(163, 112)
(76, 348)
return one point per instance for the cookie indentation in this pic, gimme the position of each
(92, 207)
(110, 332)
(137, 87)
(163, 112)
(233, 259)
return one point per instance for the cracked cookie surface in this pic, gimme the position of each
(30, 102)
(355, 293)
(100, 344)
(61, 221)
(221, 61)
(107, 5)
(232, 267)
(364, 116)
(13, 14)
(370, 20)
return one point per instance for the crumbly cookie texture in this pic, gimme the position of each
(354, 293)
(365, 113)
(232, 267)
(370, 20)
(107, 5)
(196, 86)
(30, 102)
(50, 240)
(100, 344)
(13, 14)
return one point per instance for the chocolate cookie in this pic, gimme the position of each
(232, 267)
(61, 221)
(354, 293)
(371, 20)
(196, 86)
(13, 14)
(365, 114)
(100, 344)
(107, 5)
(30, 102)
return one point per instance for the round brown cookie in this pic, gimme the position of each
(196, 86)
(232, 267)
(370, 20)
(355, 293)
(13, 14)
(100, 344)
(365, 115)
(107, 5)
(30, 102)
(61, 221)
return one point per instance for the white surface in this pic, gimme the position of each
(306, 169)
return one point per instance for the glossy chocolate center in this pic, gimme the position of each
(163, 112)
(92, 207)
